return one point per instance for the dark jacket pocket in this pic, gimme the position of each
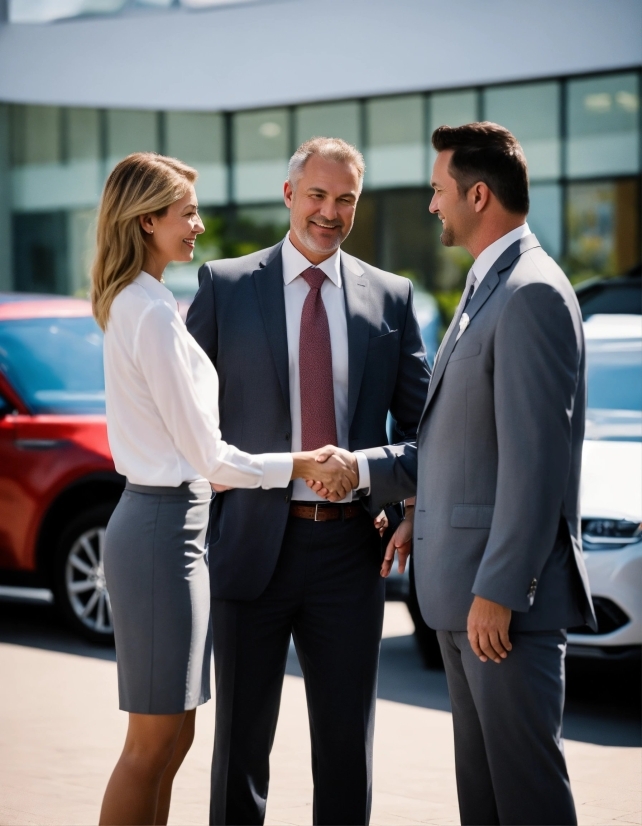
(465, 351)
(388, 337)
(472, 516)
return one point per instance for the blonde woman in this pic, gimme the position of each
(163, 427)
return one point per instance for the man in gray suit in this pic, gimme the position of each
(496, 469)
(312, 347)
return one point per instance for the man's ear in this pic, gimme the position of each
(288, 191)
(479, 194)
(147, 222)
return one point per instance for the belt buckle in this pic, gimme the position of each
(316, 511)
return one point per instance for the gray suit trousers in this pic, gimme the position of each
(507, 719)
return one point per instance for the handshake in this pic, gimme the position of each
(331, 472)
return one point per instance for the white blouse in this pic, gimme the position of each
(161, 394)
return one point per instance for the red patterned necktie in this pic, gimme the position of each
(318, 422)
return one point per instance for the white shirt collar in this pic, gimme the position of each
(487, 257)
(154, 288)
(294, 263)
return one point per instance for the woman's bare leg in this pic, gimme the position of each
(183, 745)
(131, 797)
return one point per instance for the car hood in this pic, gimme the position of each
(611, 486)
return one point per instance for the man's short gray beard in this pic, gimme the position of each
(308, 240)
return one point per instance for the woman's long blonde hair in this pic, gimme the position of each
(140, 184)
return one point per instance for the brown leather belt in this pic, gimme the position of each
(325, 513)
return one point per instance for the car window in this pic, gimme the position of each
(56, 364)
(614, 390)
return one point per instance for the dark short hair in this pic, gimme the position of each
(490, 153)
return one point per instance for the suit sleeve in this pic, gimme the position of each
(537, 362)
(393, 468)
(201, 316)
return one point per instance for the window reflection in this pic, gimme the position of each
(603, 125)
(331, 120)
(395, 141)
(603, 227)
(450, 109)
(55, 158)
(261, 154)
(531, 112)
(130, 131)
(197, 138)
(545, 217)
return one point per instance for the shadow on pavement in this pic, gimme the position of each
(602, 703)
(38, 625)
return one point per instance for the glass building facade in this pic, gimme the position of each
(581, 137)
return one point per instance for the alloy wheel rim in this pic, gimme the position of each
(85, 582)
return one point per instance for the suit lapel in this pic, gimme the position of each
(483, 293)
(476, 303)
(356, 290)
(268, 280)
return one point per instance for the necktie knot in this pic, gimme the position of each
(314, 277)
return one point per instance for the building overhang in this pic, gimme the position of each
(292, 51)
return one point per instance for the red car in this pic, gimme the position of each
(58, 484)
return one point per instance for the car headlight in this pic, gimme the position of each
(609, 534)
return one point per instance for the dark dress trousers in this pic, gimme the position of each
(273, 576)
(496, 469)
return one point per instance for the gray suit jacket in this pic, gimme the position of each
(496, 466)
(238, 318)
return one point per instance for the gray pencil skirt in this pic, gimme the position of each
(158, 582)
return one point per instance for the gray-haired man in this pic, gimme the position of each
(312, 347)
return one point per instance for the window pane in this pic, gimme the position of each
(50, 174)
(83, 134)
(197, 138)
(450, 109)
(603, 125)
(531, 113)
(603, 227)
(395, 134)
(35, 135)
(129, 131)
(331, 120)
(545, 217)
(40, 252)
(261, 154)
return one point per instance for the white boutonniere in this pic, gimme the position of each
(464, 321)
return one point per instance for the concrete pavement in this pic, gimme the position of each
(61, 732)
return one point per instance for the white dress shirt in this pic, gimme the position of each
(295, 291)
(161, 394)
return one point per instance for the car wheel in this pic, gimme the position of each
(79, 577)
(425, 636)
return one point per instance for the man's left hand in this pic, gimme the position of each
(488, 629)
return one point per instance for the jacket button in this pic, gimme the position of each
(287, 497)
(287, 437)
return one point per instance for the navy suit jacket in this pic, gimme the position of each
(238, 318)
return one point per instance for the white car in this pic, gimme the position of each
(611, 488)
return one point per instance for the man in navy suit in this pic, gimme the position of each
(312, 347)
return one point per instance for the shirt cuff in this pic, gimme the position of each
(364, 472)
(277, 469)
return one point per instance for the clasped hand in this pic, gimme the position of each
(329, 471)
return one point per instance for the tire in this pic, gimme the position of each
(78, 576)
(425, 636)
